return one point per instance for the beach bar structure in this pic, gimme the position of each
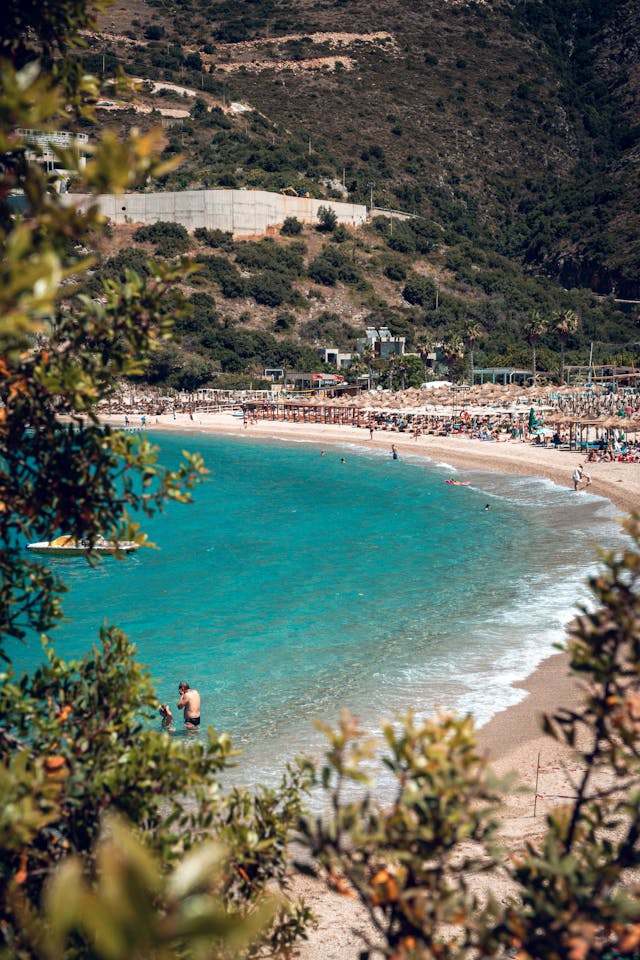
(611, 376)
(295, 411)
(581, 437)
(504, 374)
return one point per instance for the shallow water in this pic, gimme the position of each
(297, 584)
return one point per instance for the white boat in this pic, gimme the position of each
(66, 546)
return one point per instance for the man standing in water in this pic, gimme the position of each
(190, 702)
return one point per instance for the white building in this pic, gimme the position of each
(43, 144)
(334, 356)
(382, 343)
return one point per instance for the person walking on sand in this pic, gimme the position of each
(189, 702)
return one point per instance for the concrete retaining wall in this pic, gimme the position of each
(244, 213)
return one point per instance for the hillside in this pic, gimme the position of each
(511, 129)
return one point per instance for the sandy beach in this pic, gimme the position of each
(512, 740)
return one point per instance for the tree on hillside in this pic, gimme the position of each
(291, 227)
(566, 324)
(533, 331)
(419, 290)
(327, 219)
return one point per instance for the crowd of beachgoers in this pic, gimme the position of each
(603, 423)
(587, 402)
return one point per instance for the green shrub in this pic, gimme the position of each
(395, 271)
(327, 219)
(171, 238)
(419, 290)
(284, 321)
(291, 227)
(225, 274)
(220, 239)
(268, 255)
(334, 264)
(269, 289)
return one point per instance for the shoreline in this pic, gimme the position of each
(512, 740)
(617, 482)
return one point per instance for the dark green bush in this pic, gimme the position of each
(154, 32)
(395, 271)
(268, 255)
(291, 227)
(327, 219)
(269, 289)
(171, 238)
(284, 321)
(225, 274)
(220, 239)
(419, 290)
(334, 264)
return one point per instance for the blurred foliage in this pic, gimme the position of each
(78, 742)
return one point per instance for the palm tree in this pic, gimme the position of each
(253, 371)
(452, 350)
(567, 322)
(425, 347)
(392, 360)
(368, 358)
(356, 366)
(472, 332)
(402, 367)
(536, 328)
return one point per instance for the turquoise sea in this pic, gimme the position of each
(297, 584)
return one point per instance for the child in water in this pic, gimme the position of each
(167, 716)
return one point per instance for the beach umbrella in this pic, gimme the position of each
(532, 419)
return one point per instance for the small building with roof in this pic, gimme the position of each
(381, 342)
